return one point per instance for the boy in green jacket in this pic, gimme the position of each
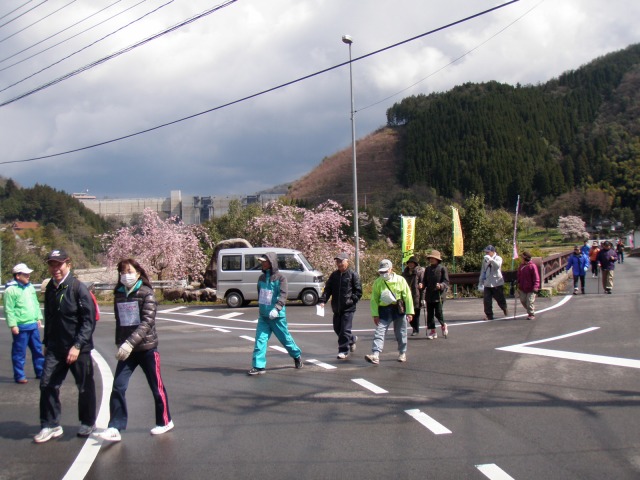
(22, 311)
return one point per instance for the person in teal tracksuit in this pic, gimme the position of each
(22, 311)
(272, 296)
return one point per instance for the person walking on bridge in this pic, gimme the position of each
(607, 258)
(578, 263)
(593, 258)
(528, 284)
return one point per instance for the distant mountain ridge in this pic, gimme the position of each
(578, 131)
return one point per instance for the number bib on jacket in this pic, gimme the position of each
(265, 296)
(129, 314)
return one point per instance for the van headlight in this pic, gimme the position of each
(317, 279)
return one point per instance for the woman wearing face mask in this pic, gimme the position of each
(137, 341)
(388, 288)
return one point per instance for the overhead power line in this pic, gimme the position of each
(15, 9)
(64, 30)
(86, 67)
(263, 92)
(37, 21)
(23, 13)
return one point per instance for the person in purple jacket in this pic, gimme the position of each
(528, 284)
(607, 258)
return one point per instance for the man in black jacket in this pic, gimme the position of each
(69, 316)
(345, 290)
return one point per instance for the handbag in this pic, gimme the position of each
(400, 305)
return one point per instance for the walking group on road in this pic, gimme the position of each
(396, 299)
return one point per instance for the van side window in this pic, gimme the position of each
(251, 262)
(289, 262)
(231, 262)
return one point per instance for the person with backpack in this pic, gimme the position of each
(607, 259)
(134, 306)
(345, 290)
(436, 283)
(69, 316)
(578, 263)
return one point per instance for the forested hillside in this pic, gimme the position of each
(63, 222)
(578, 131)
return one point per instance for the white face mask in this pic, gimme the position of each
(129, 279)
(386, 275)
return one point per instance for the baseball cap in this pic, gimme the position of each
(58, 255)
(341, 256)
(21, 268)
(489, 248)
(526, 255)
(263, 258)
(385, 266)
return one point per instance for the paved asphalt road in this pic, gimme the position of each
(477, 405)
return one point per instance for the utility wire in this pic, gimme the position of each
(86, 67)
(23, 13)
(15, 9)
(306, 77)
(454, 60)
(37, 21)
(61, 31)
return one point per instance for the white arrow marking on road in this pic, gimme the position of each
(435, 427)
(321, 364)
(369, 386)
(494, 472)
(582, 357)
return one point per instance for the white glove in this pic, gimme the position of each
(273, 314)
(124, 351)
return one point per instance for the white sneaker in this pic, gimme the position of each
(342, 356)
(373, 358)
(160, 429)
(47, 434)
(402, 357)
(111, 435)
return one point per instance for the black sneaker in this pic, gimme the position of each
(298, 362)
(257, 371)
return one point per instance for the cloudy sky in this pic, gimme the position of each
(241, 49)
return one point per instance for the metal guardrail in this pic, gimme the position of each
(549, 268)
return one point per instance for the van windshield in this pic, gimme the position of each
(305, 262)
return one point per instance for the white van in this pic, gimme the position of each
(238, 270)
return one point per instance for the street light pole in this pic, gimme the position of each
(348, 40)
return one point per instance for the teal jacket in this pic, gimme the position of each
(272, 289)
(21, 305)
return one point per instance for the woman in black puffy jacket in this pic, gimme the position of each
(137, 341)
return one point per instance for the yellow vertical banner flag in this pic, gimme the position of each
(408, 237)
(458, 244)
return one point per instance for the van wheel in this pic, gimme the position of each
(234, 300)
(309, 298)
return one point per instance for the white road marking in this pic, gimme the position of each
(278, 348)
(218, 329)
(81, 465)
(199, 312)
(175, 309)
(227, 316)
(494, 472)
(435, 427)
(321, 364)
(582, 357)
(510, 317)
(247, 337)
(369, 386)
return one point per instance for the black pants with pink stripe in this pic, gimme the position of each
(149, 361)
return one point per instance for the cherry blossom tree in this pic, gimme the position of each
(572, 228)
(318, 233)
(168, 250)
